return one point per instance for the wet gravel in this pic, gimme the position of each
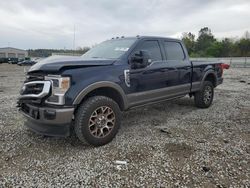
(171, 144)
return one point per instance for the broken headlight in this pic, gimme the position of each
(60, 86)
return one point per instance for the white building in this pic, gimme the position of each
(9, 52)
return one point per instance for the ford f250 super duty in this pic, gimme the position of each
(87, 94)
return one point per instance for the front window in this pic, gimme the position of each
(110, 49)
(153, 48)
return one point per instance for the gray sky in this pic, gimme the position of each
(50, 23)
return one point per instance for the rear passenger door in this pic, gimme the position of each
(179, 66)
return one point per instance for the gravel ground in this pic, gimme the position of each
(172, 144)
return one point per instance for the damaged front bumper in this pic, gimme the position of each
(41, 118)
(48, 121)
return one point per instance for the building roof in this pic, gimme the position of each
(11, 48)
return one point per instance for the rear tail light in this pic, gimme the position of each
(224, 66)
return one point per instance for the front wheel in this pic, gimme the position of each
(97, 120)
(204, 97)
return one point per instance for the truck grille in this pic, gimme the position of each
(32, 89)
(34, 77)
(35, 89)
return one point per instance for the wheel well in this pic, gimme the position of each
(211, 77)
(108, 92)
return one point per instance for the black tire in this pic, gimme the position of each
(85, 117)
(204, 97)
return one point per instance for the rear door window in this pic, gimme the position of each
(174, 50)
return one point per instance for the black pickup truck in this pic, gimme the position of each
(85, 95)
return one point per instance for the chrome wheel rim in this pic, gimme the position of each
(102, 121)
(207, 94)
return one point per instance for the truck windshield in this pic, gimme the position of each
(110, 49)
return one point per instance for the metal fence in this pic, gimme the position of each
(232, 61)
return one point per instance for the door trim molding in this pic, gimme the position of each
(139, 98)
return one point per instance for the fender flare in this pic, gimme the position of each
(101, 84)
(210, 71)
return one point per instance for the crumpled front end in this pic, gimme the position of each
(42, 116)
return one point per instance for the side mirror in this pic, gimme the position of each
(140, 60)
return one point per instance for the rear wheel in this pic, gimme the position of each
(97, 120)
(204, 97)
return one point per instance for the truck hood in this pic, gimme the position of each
(55, 63)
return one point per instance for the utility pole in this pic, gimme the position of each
(74, 39)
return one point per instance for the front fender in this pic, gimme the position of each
(101, 84)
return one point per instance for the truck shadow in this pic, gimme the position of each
(152, 114)
(163, 110)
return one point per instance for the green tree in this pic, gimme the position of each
(189, 41)
(246, 35)
(204, 41)
(227, 47)
(215, 49)
(48, 52)
(244, 47)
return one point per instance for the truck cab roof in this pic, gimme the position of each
(147, 37)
